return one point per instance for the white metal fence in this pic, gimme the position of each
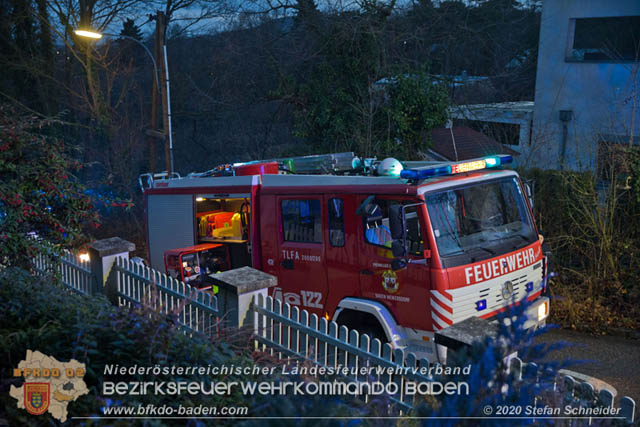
(135, 284)
(74, 272)
(298, 338)
(294, 335)
(569, 392)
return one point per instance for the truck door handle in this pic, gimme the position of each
(287, 263)
(367, 272)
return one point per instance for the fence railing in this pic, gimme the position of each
(292, 334)
(298, 338)
(136, 284)
(571, 392)
(75, 273)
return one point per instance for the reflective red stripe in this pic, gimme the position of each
(434, 301)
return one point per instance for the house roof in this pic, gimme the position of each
(469, 144)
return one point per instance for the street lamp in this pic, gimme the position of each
(96, 36)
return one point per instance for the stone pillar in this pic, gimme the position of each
(102, 255)
(237, 288)
(455, 341)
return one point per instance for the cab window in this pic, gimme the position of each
(301, 221)
(377, 231)
(336, 222)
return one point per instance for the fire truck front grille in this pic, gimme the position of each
(454, 305)
(518, 293)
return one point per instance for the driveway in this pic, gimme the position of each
(614, 360)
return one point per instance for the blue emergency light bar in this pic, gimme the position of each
(418, 174)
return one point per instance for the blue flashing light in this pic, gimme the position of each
(481, 305)
(424, 173)
(529, 286)
(455, 168)
(505, 158)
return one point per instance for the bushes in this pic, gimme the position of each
(38, 315)
(592, 227)
(38, 193)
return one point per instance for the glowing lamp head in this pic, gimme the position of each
(88, 34)
(542, 311)
(84, 257)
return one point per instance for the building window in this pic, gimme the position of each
(301, 221)
(336, 222)
(605, 39)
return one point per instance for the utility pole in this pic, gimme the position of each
(160, 53)
(161, 21)
(153, 133)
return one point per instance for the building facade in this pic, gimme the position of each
(587, 96)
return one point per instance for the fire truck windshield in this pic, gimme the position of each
(479, 221)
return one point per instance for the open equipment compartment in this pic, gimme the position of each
(225, 220)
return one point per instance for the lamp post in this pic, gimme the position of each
(97, 36)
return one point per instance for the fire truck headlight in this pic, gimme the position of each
(481, 305)
(542, 311)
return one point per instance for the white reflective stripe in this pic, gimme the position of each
(445, 314)
(442, 298)
(441, 323)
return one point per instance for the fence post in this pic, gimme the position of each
(102, 255)
(237, 288)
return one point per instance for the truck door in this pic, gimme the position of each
(301, 260)
(341, 249)
(405, 292)
(170, 225)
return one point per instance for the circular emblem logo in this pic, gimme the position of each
(390, 281)
(507, 290)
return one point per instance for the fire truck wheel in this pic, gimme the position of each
(364, 323)
(373, 332)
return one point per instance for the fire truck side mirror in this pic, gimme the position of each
(398, 248)
(527, 188)
(397, 222)
(398, 264)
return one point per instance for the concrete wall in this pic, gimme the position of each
(602, 95)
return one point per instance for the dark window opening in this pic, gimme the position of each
(301, 221)
(606, 39)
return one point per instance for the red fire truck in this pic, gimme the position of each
(396, 250)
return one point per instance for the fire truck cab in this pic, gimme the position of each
(398, 256)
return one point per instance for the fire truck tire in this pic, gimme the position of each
(373, 332)
(364, 323)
